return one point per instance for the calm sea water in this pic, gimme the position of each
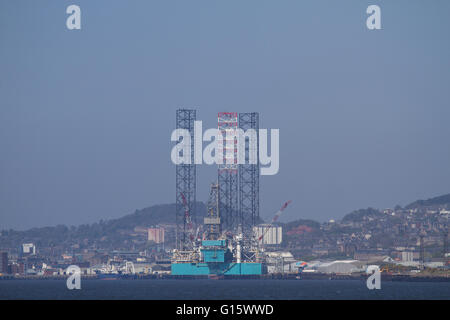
(221, 289)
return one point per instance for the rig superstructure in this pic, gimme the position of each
(225, 244)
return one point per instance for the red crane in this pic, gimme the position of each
(275, 218)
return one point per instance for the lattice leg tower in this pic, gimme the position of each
(249, 175)
(185, 183)
(228, 171)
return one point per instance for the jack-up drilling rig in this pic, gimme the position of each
(225, 243)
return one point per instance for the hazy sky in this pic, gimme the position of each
(86, 115)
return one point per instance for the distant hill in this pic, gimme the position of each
(112, 230)
(436, 201)
(301, 232)
(115, 232)
(153, 215)
(358, 215)
(301, 223)
(300, 227)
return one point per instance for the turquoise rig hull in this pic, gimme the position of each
(226, 269)
(217, 260)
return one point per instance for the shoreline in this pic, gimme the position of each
(281, 277)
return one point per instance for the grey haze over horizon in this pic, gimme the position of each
(86, 115)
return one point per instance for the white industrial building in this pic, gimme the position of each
(281, 262)
(271, 235)
(28, 248)
(407, 256)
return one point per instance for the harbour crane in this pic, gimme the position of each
(274, 219)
